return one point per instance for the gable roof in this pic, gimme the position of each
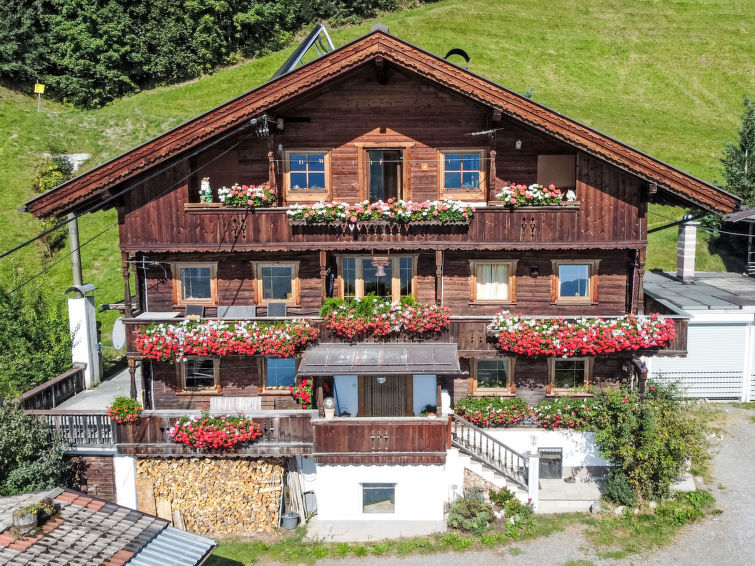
(91, 531)
(94, 184)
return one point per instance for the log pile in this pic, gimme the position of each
(215, 496)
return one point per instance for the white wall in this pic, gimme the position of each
(421, 492)
(425, 392)
(124, 472)
(82, 322)
(579, 448)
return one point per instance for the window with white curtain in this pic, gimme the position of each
(492, 281)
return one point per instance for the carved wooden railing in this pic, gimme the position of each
(284, 433)
(493, 453)
(407, 440)
(51, 393)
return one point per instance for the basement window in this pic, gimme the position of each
(378, 498)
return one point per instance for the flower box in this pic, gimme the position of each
(533, 195)
(389, 212)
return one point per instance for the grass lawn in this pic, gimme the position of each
(668, 78)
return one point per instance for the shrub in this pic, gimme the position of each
(619, 489)
(470, 515)
(563, 412)
(125, 410)
(650, 441)
(492, 411)
(500, 497)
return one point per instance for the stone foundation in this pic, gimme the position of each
(212, 496)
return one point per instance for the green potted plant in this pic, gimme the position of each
(125, 410)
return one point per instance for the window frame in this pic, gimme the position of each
(263, 374)
(181, 374)
(592, 287)
(258, 283)
(510, 369)
(588, 371)
(395, 275)
(511, 266)
(460, 192)
(179, 299)
(305, 195)
(394, 485)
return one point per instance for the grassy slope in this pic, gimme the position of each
(666, 77)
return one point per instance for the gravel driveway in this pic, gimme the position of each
(724, 540)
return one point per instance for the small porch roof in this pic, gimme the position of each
(380, 359)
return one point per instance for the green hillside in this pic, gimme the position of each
(665, 77)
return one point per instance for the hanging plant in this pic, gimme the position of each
(580, 337)
(172, 342)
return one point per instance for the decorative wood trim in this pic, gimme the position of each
(257, 266)
(511, 267)
(592, 264)
(175, 269)
(470, 195)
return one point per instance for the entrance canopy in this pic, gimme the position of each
(380, 359)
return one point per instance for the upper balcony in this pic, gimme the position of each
(206, 227)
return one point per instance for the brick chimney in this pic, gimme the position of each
(685, 252)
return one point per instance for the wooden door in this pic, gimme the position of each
(385, 396)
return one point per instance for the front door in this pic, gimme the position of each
(385, 396)
(385, 172)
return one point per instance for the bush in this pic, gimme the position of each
(125, 410)
(650, 441)
(470, 515)
(500, 497)
(619, 489)
(492, 411)
(563, 412)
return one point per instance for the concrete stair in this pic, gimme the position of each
(490, 475)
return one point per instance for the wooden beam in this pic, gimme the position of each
(126, 285)
(132, 373)
(439, 276)
(323, 274)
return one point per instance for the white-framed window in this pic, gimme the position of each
(195, 283)
(575, 281)
(568, 373)
(280, 372)
(494, 373)
(276, 281)
(199, 373)
(492, 281)
(306, 170)
(359, 277)
(378, 498)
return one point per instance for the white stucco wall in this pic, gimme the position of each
(579, 448)
(124, 472)
(82, 322)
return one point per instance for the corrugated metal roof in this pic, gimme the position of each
(380, 359)
(174, 547)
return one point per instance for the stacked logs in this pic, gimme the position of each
(212, 496)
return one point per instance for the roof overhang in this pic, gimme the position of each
(380, 359)
(104, 181)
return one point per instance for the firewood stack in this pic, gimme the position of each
(215, 496)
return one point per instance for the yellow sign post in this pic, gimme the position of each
(39, 90)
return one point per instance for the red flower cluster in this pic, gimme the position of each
(396, 318)
(561, 337)
(303, 393)
(170, 342)
(492, 411)
(562, 414)
(218, 432)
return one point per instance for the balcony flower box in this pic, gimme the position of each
(247, 196)
(379, 317)
(207, 432)
(172, 342)
(390, 212)
(516, 196)
(580, 337)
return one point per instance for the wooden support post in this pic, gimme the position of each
(438, 399)
(126, 285)
(271, 172)
(323, 274)
(642, 374)
(132, 373)
(320, 397)
(492, 173)
(439, 276)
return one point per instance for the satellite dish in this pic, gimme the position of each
(119, 333)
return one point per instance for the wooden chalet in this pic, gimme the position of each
(376, 119)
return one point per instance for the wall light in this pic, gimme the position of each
(381, 379)
(518, 144)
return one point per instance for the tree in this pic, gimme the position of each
(739, 160)
(35, 341)
(30, 459)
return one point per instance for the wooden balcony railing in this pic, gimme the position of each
(469, 333)
(284, 433)
(51, 393)
(381, 441)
